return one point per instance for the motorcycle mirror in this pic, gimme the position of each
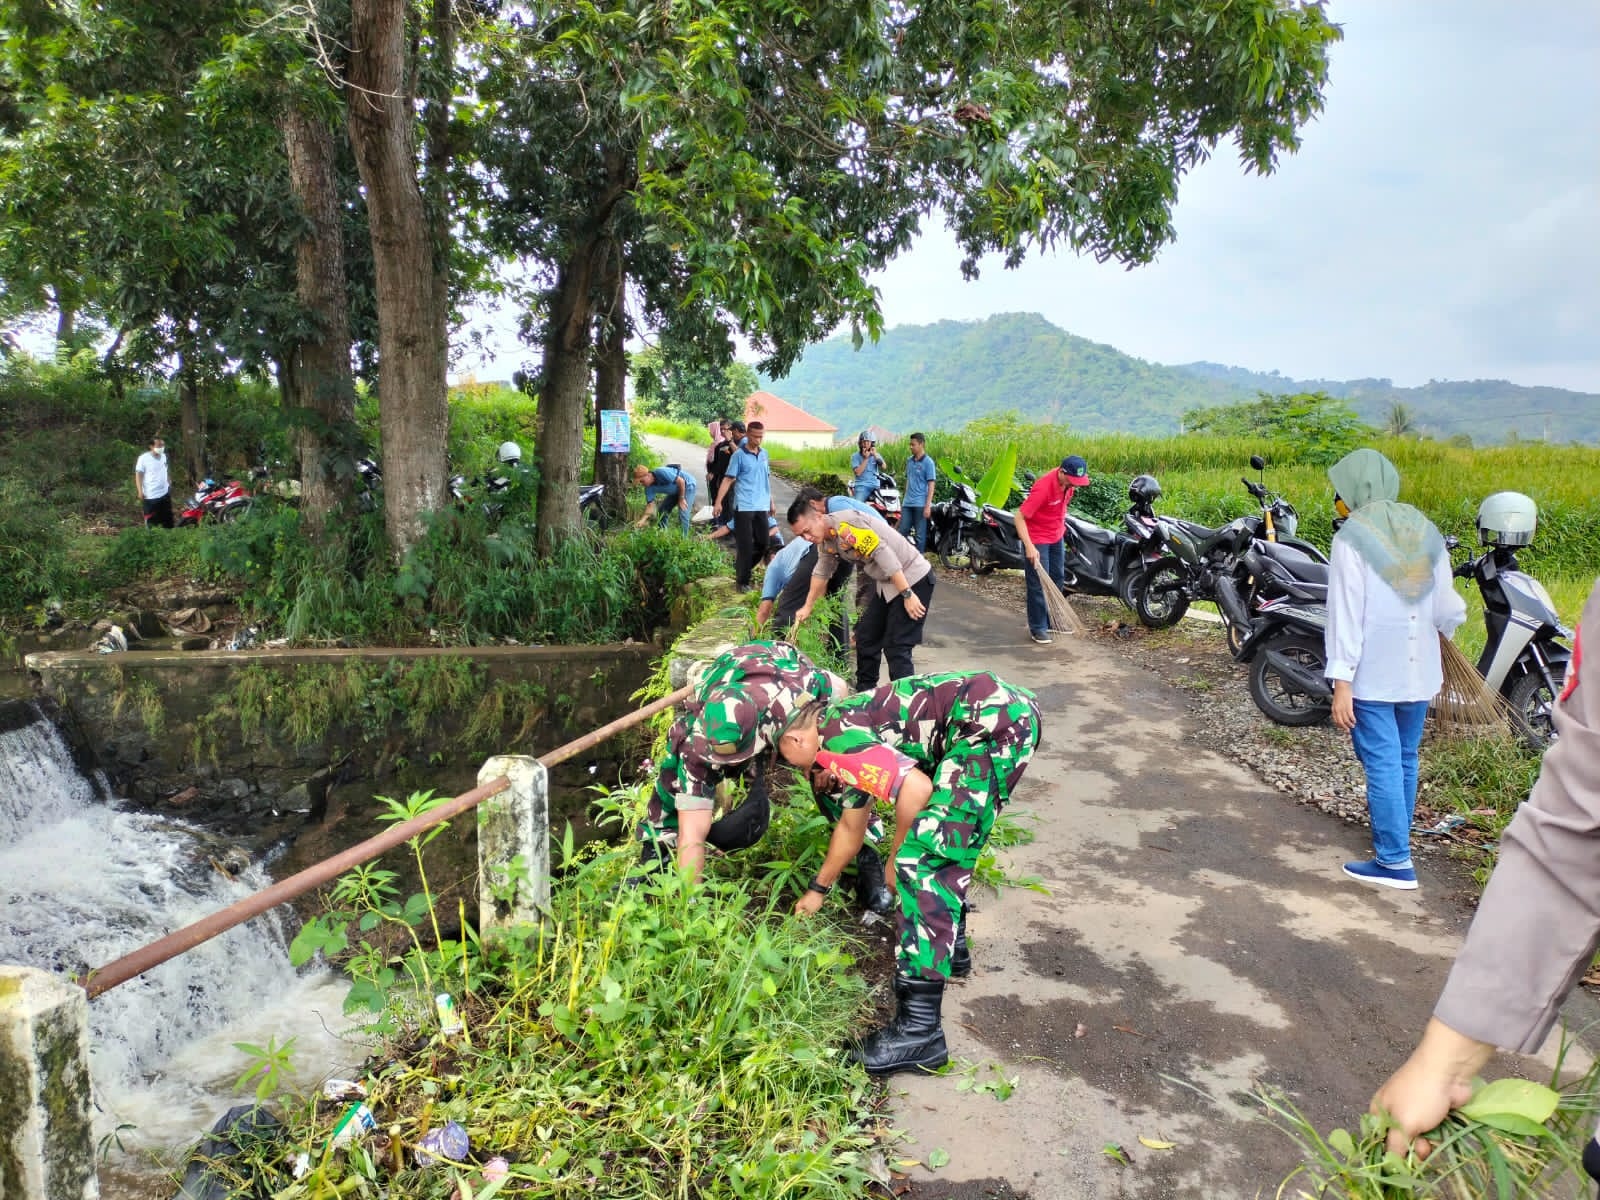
(1451, 541)
(1258, 463)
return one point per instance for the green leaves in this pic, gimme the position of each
(1517, 1106)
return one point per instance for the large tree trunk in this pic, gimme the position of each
(193, 423)
(66, 318)
(319, 389)
(413, 402)
(610, 382)
(563, 398)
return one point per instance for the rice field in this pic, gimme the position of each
(1200, 480)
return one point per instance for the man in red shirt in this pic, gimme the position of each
(1041, 526)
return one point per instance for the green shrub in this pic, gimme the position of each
(33, 549)
(141, 553)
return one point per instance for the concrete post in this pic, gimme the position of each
(46, 1132)
(513, 845)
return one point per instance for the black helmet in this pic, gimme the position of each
(1144, 489)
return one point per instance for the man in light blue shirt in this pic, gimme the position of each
(788, 578)
(917, 504)
(749, 478)
(865, 464)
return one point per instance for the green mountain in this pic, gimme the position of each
(941, 376)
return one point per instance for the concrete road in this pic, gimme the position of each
(1197, 939)
(692, 458)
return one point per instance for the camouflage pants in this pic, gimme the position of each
(971, 784)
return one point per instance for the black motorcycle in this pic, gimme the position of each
(1286, 608)
(952, 522)
(1200, 555)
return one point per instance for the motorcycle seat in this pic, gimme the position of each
(1297, 563)
(1001, 515)
(1087, 531)
(1194, 529)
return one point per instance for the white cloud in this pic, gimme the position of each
(1439, 221)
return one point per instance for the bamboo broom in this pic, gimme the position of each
(1465, 706)
(1063, 617)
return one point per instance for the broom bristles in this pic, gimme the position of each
(1063, 617)
(1465, 705)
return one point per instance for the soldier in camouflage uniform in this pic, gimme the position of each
(741, 705)
(948, 750)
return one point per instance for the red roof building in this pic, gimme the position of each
(787, 423)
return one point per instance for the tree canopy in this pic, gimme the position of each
(700, 170)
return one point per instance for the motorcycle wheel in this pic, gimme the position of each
(1531, 703)
(233, 512)
(1128, 585)
(955, 553)
(1275, 696)
(1160, 601)
(594, 519)
(1236, 635)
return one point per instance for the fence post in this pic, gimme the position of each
(46, 1132)
(513, 825)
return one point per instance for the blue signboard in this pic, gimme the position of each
(615, 432)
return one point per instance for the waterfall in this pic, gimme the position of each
(84, 880)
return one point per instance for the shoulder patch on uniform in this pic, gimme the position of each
(859, 538)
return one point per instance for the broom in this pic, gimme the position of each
(1063, 617)
(1465, 706)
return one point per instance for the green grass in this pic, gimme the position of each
(683, 431)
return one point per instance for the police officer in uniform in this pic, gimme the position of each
(948, 751)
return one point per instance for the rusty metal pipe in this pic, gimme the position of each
(131, 965)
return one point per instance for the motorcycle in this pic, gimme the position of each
(217, 501)
(885, 500)
(952, 521)
(592, 506)
(1523, 661)
(1201, 556)
(1106, 562)
(370, 476)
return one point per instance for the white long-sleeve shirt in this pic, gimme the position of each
(1386, 647)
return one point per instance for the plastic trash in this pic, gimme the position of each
(343, 1089)
(448, 1141)
(449, 1019)
(496, 1168)
(113, 641)
(1446, 825)
(243, 1128)
(357, 1122)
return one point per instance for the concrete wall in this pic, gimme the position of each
(240, 730)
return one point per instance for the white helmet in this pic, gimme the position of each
(509, 452)
(1507, 519)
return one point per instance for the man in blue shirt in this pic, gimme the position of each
(667, 488)
(749, 478)
(917, 503)
(865, 464)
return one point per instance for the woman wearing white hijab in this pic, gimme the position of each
(1389, 599)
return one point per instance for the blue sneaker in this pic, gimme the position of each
(1404, 878)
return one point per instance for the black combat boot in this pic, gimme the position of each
(872, 893)
(914, 1040)
(961, 956)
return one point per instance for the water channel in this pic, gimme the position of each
(84, 880)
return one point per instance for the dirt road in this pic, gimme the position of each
(1197, 939)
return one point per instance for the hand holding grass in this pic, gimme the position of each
(1435, 1079)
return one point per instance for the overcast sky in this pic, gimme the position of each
(1440, 220)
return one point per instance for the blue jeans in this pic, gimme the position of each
(667, 505)
(1386, 738)
(1053, 558)
(914, 524)
(861, 490)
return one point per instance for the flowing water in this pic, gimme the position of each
(84, 881)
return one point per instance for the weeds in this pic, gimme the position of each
(670, 1040)
(1513, 1139)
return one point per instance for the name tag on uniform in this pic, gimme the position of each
(878, 770)
(859, 538)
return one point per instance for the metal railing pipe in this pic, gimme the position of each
(143, 959)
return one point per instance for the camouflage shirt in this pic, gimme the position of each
(926, 717)
(740, 708)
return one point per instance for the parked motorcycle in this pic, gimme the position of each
(1523, 660)
(953, 520)
(885, 500)
(216, 502)
(1201, 555)
(1105, 562)
(370, 476)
